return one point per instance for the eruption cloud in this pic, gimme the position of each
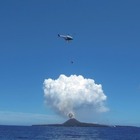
(67, 95)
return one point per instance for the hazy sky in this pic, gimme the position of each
(106, 48)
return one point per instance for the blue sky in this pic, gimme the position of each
(105, 48)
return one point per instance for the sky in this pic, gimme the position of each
(105, 48)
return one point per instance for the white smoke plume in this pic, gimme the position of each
(69, 94)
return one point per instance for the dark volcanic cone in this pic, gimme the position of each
(74, 122)
(71, 122)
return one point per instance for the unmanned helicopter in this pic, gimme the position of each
(66, 37)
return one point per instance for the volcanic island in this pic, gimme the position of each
(72, 122)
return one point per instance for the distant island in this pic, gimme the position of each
(72, 122)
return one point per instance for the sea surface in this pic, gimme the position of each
(68, 133)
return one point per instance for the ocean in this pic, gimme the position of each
(68, 133)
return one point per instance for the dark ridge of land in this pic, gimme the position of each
(75, 123)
